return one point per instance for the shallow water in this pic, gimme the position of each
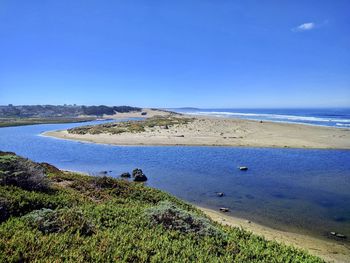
(291, 189)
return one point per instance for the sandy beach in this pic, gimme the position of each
(330, 251)
(144, 113)
(215, 131)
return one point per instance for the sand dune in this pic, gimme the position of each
(214, 131)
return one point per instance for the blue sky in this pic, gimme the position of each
(176, 53)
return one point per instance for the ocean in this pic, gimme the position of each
(339, 117)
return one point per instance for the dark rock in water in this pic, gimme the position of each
(220, 194)
(243, 168)
(103, 172)
(340, 235)
(140, 178)
(125, 175)
(224, 209)
(138, 175)
(136, 171)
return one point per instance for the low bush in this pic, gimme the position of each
(174, 218)
(21, 172)
(60, 221)
(4, 209)
(15, 201)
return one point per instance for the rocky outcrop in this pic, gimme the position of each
(125, 175)
(138, 175)
(339, 235)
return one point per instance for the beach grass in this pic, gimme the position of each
(10, 122)
(131, 126)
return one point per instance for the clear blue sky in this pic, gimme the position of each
(219, 53)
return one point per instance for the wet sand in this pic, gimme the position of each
(330, 251)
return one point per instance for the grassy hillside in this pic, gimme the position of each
(51, 111)
(8, 122)
(45, 114)
(47, 215)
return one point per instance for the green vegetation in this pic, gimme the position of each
(60, 221)
(23, 173)
(172, 217)
(44, 114)
(131, 126)
(8, 122)
(101, 219)
(101, 110)
(52, 111)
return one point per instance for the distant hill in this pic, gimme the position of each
(185, 108)
(42, 111)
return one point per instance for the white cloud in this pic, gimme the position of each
(304, 27)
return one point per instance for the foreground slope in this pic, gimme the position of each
(48, 215)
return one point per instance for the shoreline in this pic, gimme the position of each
(6, 123)
(270, 121)
(49, 135)
(264, 120)
(327, 249)
(222, 132)
(330, 251)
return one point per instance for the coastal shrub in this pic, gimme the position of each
(21, 172)
(60, 221)
(101, 219)
(4, 209)
(173, 218)
(15, 201)
(50, 169)
(104, 182)
(131, 126)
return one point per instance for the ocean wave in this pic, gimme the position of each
(343, 124)
(272, 116)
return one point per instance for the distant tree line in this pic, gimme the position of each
(101, 110)
(61, 110)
